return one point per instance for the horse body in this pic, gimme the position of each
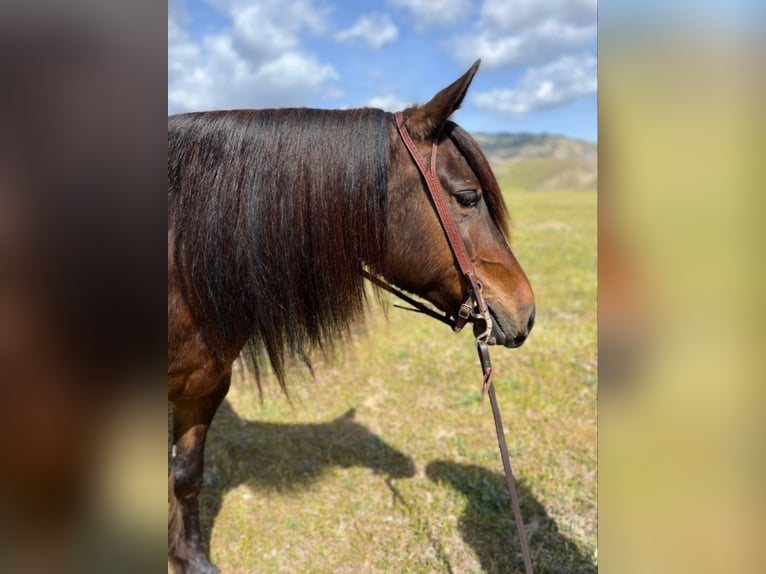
(272, 217)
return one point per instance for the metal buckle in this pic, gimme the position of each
(464, 313)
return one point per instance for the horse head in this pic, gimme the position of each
(419, 258)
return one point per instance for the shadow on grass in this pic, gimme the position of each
(487, 523)
(285, 457)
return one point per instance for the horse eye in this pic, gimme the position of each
(467, 198)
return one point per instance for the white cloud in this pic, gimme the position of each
(427, 13)
(256, 62)
(375, 30)
(556, 84)
(518, 14)
(290, 14)
(390, 103)
(527, 32)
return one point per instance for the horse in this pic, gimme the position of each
(275, 216)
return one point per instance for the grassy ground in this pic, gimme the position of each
(387, 461)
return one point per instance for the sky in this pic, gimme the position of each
(538, 71)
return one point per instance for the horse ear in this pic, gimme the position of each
(349, 414)
(426, 121)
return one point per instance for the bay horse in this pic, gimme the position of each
(274, 216)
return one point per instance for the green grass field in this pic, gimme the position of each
(387, 460)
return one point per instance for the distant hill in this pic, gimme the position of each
(540, 161)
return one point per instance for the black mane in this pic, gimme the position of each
(273, 214)
(477, 161)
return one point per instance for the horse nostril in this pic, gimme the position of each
(531, 322)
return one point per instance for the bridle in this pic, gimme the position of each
(473, 308)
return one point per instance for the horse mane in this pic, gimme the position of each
(274, 213)
(477, 161)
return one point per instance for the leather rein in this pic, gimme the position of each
(472, 309)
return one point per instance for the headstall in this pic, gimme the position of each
(473, 309)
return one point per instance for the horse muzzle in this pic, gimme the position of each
(505, 330)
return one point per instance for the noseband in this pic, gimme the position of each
(473, 308)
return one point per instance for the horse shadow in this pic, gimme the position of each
(286, 457)
(488, 527)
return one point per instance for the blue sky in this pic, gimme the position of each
(538, 70)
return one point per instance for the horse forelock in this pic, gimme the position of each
(274, 212)
(479, 164)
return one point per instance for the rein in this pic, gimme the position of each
(473, 308)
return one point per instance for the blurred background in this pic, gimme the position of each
(681, 441)
(82, 329)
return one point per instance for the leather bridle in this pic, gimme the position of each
(474, 308)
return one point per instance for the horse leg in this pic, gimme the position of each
(191, 420)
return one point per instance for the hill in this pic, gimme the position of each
(540, 161)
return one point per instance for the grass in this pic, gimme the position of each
(387, 461)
